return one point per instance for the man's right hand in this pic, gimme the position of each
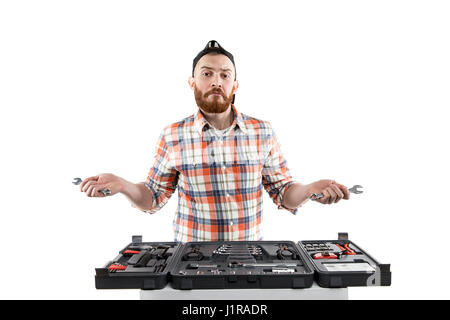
(92, 185)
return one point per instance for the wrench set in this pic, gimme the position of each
(242, 264)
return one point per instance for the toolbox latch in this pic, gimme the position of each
(136, 239)
(343, 236)
(385, 267)
(149, 284)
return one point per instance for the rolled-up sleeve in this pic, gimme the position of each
(276, 177)
(162, 178)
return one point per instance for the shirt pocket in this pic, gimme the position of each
(249, 155)
(249, 166)
(190, 163)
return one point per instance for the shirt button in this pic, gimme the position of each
(231, 223)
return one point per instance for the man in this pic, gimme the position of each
(220, 160)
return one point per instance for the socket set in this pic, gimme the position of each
(242, 264)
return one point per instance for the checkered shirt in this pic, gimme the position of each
(219, 178)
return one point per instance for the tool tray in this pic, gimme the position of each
(340, 263)
(140, 265)
(241, 264)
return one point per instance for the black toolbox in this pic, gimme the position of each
(140, 265)
(242, 264)
(340, 263)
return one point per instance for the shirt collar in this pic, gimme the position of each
(200, 121)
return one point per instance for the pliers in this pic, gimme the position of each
(346, 249)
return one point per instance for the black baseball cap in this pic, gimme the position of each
(213, 47)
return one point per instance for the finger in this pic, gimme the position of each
(333, 195)
(87, 185)
(94, 191)
(89, 190)
(85, 181)
(98, 190)
(339, 193)
(344, 190)
(326, 196)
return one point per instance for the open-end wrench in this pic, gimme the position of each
(283, 270)
(279, 265)
(77, 181)
(197, 266)
(354, 189)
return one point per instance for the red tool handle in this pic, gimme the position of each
(346, 249)
(325, 256)
(114, 267)
(131, 252)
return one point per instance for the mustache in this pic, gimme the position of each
(213, 91)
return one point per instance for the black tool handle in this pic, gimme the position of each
(135, 258)
(143, 261)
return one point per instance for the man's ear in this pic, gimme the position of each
(235, 86)
(191, 82)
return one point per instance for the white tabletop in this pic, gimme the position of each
(313, 293)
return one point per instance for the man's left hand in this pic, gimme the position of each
(332, 191)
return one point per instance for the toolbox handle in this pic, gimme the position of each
(343, 236)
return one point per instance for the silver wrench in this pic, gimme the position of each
(279, 265)
(354, 189)
(77, 181)
(197, 266)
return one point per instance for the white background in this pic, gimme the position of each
(357, 91)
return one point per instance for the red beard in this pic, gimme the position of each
(217, 105)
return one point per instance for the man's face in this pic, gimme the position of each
(213, 83)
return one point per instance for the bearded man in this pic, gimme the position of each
(220, 160)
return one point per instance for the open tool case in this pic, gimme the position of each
(241, 264)
(140, 265)
(340, 263)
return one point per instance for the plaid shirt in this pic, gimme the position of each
(219, 178)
